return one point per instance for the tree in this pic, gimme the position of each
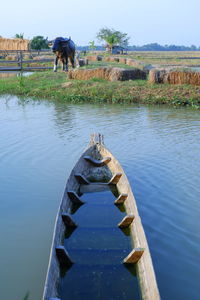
(92, 45)
(39, 42)
(112, 37)
(19, 36)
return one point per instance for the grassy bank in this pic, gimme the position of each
(49, 85)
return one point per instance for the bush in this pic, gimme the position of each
(39, 42)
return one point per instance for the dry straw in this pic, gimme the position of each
(13, 44)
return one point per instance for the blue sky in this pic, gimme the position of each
(145, 21)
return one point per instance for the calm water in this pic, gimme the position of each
(98, 247)
(159, 149)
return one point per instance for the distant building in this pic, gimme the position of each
(116, 49)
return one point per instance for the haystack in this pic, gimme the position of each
(14, 44)
(94, 58)
(157, 76)
(111, 59)
(174, 77)
(122, 60)
(111, 74)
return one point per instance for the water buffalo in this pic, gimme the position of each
(64, 48)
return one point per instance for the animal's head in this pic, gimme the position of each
(57, 44)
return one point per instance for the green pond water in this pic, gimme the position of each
(159, 149)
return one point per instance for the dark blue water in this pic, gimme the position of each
(158, 147)
(97, 247)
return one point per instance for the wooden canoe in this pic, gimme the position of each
(96, 169)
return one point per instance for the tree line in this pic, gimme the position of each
(110, 38)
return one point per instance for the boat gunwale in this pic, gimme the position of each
(146, 279)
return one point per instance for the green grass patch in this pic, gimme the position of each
(56, 86)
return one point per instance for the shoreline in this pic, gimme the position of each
(56, 86)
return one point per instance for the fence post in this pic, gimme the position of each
(21, 58)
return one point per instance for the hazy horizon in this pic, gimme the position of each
(172, 22)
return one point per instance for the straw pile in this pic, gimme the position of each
(134, 63)
(111, 74)
(11, 57)
(122, 60)
(13, 44)
(111, 59)
(94, 58)
(174, 77)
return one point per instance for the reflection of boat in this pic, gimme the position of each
(98, 170)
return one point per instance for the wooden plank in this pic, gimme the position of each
(134, 256)
(115, 179)
(68, 220)
(24, 69)
(94, 188)
(37, 68)
(144, 267)
(63, 256)
(10, 69)
(126, 221)
(96, 162)
(121, 199)
(81, 179)
(74, 197)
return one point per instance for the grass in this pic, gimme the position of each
(56, 86)
(163, 58)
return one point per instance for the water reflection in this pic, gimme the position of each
(8, 74)
(158, 147)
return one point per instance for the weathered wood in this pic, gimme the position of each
(121, 199)
(144, 266)
(115, 179)
(24, 69)
(74, 197)
(28, 61)
(68, 220)
(126, 221)
(81, 179)
(93, 188)
(63, 256)
(134, 256)
(97, 163)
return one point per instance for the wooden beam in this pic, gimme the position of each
(126, 221)
(67, 220)
(134, 256)
(115, 179)
(74, 197)
(81, 179)
(63, 256)
(94, 188)
(121, 199)
(96, 162)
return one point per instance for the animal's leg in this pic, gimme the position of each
(77, 56)
(66, 65)
(55, 64)
(72, 61)
(63, 64)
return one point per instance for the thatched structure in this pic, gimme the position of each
(174, 77)
(14, 44)
(111, 74)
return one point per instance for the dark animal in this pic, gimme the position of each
(64, 48)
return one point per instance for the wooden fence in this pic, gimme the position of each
(19, 63)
